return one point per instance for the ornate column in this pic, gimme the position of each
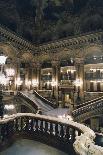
(26, 75)
(34, 78)
(55, 77)
(38, 68)
(79, 64)
(13, 65)
(17, 73)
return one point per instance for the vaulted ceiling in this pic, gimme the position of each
(45, 20)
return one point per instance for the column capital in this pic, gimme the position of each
(55, 63)
(79, 60)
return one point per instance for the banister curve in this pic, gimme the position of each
(83, 143)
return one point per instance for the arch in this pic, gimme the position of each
(65, 53)
(26, 56)
(8, 49)
(93, 50)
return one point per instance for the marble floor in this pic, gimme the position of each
(30, 147)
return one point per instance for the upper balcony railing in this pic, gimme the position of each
(61, 133)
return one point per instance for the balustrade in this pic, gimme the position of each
(44, 100)
(97, 104)
(66, 133)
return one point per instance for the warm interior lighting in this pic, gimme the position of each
(18, 82)
(9, 107)
(53, 83)
(2, 59)
(48, 83)
(48, 73)
(78, 82)
(35, 83)
(3, 79)
(10, 72)
(27, 82)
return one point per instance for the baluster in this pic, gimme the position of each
(51, 128)
(67, 134)
(36, 125)
(72, 133)
(41, 125)
(56, 130)
(61, 131)
(16, 124)
(46, 126)
(22, 123)
(32, 124)
(27, 124)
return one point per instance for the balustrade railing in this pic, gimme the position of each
(60, 133)
(45, 100)
(27, 99)
(88, 102)
(92, 105)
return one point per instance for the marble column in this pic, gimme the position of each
(34, 76)
(79, 64)
(56, 77)
(26, 76)
(38, 68)
(17, 73)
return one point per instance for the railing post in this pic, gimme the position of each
(51, 128)
(67, 134)
(56, 129)
(61, 131)
(36, 125)
(41, 126)
(46, 126)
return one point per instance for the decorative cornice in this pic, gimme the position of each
(14, 39)
(73, 42)
(69, 46)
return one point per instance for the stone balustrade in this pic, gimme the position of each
(45, 100)
(66, 133)
(87, 108)
(27, 99)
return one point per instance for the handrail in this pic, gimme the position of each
(45, 100)
(33, 104)
(81, 136)
(88, 102)
(86, 108)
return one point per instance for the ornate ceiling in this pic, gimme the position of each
(45, 20)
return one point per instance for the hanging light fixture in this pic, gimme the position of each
(10, 72)
(2, 59)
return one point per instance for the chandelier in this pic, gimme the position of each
(3, 79)
(2, 59)
(10, 72)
